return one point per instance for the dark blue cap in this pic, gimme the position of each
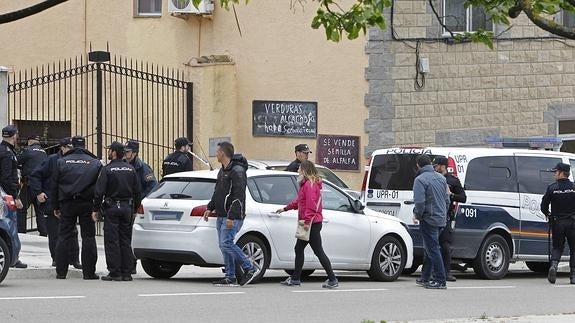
(9, 131)
(116, 146)
(78, 141)
(132, 145)
(562, 167)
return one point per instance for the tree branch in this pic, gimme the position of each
(546, 23)
(29, 11)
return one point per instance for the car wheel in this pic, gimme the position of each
(4, 259)
(304, 273)
(160, 269)
(492, 261)
(388, 260)
(257, 252)
(538, 267)
(416, 263)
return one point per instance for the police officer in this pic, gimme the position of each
(117, 191)
(9, 180)
(179, 160)
(561, 196)
(146, 176)
(456, 195)
(75, 176)
(43, 190)
(30, 158)
(301, 153)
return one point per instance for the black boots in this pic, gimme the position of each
(552, 275)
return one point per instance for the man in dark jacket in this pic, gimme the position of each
(228, 204)
(75, 177)
(116, 192)
(9, 180)
(561, 196)
(301, 153)
(430, 210)
(179, 160)
(146, 177)
(456, 195)
(30, 158)
(43, 189)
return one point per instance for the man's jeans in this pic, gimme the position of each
(430, 236)
(231, 252)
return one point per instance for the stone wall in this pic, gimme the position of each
(471, 92)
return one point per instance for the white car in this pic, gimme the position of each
(169, 230)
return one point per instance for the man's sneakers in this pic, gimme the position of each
(552, 274)
(290, 282)
(434, 284)
(421, 282)
(330, 284)
(248, 276)
(226, 281)
(20, 265)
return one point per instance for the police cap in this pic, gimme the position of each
(562, 167)
(304, 148)
(132, 145)
(9, 131)
(78, 141)
(116, 146)
(67, 141)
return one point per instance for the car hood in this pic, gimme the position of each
(370, 212)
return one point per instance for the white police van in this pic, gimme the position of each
(500, 222)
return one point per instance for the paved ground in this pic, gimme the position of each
(189, 296)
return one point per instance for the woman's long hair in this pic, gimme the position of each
(309, 171)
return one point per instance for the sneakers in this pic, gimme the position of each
(552, 274)
(421, 282)
(109, 278)
(248, 276)
(226, 281)
(436, 285)
(331, 284)
(290, 282)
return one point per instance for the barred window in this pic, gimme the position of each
(457, 18)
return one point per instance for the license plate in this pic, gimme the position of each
(166, 216)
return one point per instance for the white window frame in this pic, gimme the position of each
(469, 22)
(137, 12)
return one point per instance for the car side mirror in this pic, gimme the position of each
(357, 206)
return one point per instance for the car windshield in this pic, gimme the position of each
(393, 172)
(184, 189)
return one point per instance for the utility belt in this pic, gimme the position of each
(117, 203)
(76, 197)
(562, 217)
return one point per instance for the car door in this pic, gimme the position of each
(271, 193)
(345, 234)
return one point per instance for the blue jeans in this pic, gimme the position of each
(231, 252)
(433, 260)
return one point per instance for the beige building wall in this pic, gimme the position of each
(278, 57)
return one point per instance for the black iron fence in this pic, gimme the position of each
(103, 98)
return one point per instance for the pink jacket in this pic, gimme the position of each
(307, 202)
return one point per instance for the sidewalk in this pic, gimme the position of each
(559, 318)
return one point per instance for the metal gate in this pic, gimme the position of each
(103, 98)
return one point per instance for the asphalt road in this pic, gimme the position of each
(190, 297)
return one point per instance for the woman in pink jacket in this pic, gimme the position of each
(309, 206)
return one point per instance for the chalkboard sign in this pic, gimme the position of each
(338, 152)
(284, 119)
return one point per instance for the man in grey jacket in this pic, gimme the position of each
(430, 210)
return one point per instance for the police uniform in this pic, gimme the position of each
(41, 182)
(117, 191)
(177, 161)
(294, 165)
(75, 176)
(9, 181)
(145, 174)
(30, 158)
(561, 196)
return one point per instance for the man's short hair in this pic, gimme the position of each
(423, 160)
(227, 148)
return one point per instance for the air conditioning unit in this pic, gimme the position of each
(187, 6)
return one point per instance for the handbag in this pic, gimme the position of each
(301, 232)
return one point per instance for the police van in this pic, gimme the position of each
(500, 222)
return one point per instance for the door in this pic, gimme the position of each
(272, 193)
(345, 234)
(533, 175)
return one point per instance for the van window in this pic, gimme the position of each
(393, 172)
(492, 173)
(572, 162)
(534, 173)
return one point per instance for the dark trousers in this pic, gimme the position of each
(27, 200)
(315, 243)
(563, 228)
(433, 261)
(72, 211)
(445, 241)
(52, 224)
(118, 240)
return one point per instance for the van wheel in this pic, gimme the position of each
(257, 252)
(160, 269)
(416, 263)
(388, 260)
(4, 259)
(304, 273)
(538, 267)
(492, 261)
